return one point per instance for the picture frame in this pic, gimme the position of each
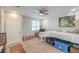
(67, 21)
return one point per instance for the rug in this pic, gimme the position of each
(17, 49)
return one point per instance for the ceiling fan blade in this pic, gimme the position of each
(42, 12)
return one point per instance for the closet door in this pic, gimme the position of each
(13, 28)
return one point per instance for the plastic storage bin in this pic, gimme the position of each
(50, 40)
(62, 45)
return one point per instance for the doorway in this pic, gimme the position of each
(13, 28)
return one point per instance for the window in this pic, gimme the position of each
(35, 25)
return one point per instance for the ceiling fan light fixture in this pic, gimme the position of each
(41, 14)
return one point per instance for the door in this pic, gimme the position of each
(13, 28)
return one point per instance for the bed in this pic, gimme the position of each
(72, 37)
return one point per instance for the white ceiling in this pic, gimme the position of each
(54, 11)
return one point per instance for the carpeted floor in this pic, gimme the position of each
(35, 46)
(32, 46)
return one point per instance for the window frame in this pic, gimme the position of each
(35, 25)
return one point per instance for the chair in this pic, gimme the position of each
(3, 41)
(28, 36)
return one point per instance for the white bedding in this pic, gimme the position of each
(72, 37)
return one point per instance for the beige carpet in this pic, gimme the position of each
(32, 46)
(35, 46)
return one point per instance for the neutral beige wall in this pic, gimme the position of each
(26, 25)
(53, 24)
(2, 20)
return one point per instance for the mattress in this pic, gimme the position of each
(72, 37)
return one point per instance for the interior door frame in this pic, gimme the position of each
(14, 20)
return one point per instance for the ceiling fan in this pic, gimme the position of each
(42, 11)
